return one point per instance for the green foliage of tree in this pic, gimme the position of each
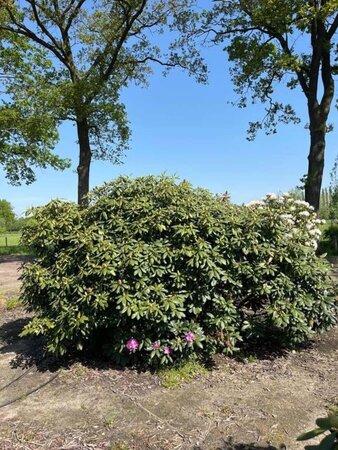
(273, 44)
(333, 190)
(21, 223)
(155, 270)
(7, 215)
(95, 48)
(28, 132)
(297, 193)
(326, 205)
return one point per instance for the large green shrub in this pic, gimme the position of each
(156, 270)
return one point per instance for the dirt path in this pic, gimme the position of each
(88, 405)
(9, 271)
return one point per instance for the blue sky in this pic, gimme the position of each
(183, 128)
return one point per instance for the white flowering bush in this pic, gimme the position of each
(154, 271)
(297, 220)
(285, 277)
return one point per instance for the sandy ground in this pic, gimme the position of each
(9, 271)
(86, 404)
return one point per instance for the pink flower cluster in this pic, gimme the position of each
(190, 337)
(132, 344)
(168, 350)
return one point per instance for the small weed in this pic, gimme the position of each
(252, 358)
(174, 377)
(225, 410)
(13, 303)
(277, 438)
(119, 446)
(333, 407)
(108, 421)
(78, 369)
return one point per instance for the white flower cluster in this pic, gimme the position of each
(298, 216)
(255, 203)
(271, 196)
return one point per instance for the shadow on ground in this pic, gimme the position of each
(30, 351)
(249, 400)
(27, 352)
(231, 445)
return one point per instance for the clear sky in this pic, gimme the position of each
(182, 128)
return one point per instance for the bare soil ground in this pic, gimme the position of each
(86, 404)
(9, 272)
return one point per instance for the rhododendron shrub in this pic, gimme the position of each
(281, 273)
(154, 270)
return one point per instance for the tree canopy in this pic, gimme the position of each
(279, 42)
(28, 131)
(7, 216)
(94, 49)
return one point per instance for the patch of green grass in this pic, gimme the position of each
(119, 446)
(15, 250)
(10, 245)
(174, 377)
(9, 239)
(13, 303)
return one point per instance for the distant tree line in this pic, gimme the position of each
(8, 220)
(328, 206)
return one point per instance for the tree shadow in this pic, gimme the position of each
(27, 352)
(229, 444)
(16, 258)
(31, 351)
(268, 342)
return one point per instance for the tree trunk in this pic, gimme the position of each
(84, 161)
(315, 164)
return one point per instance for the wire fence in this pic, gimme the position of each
(9, 239)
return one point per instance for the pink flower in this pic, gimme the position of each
(167, 350)
(132, 345)
(190, 337)
(155, 345)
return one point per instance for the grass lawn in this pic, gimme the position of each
(9, 239)
(10, 244)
